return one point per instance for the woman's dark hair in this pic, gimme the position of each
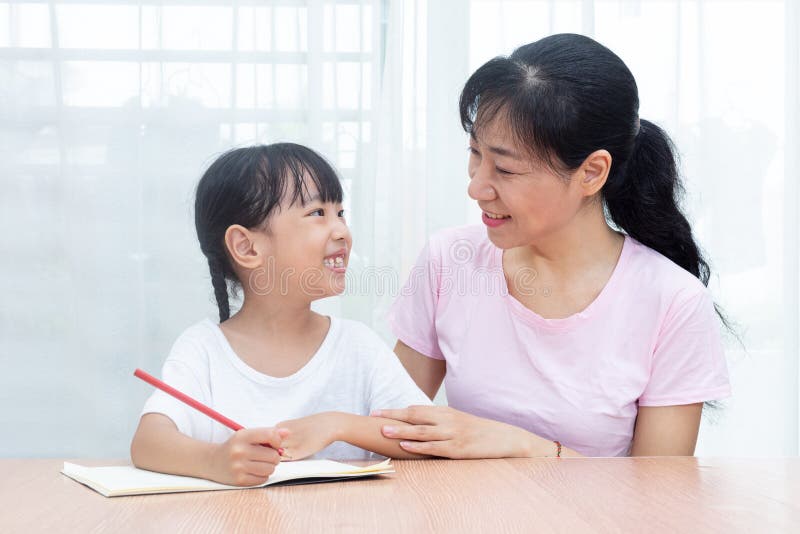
(566, 96)
(245, 186)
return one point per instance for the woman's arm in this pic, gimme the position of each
(427, 373)
(443, 431)
(446, 432)
(241, 461)
(666, 430)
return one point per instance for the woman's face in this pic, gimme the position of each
(523, 200)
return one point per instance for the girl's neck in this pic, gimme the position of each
(274, 318)
(275, 337)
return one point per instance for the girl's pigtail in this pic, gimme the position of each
(217, 269)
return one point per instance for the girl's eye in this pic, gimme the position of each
(341, 213)
(320, 212)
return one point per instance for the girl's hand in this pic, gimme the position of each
(309, 435)
(243, 460)
(444, 431)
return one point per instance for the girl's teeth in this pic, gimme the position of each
(338, 261)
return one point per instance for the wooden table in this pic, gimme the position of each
(515, 495)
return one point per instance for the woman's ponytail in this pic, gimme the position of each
(643, 199)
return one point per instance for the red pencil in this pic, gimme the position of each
(213, 414)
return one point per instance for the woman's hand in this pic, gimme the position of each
(243, 460)
(309, 435)
(444, 431)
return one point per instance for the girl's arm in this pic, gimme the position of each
(309, 435)
(240, 461)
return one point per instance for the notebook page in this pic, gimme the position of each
(127, 480)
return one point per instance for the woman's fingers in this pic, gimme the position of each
(416, 432)
(416, 415)
(430, 448)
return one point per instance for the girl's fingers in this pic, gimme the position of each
(264, 436)
(259, 453)
(416, 432)
(260, 470)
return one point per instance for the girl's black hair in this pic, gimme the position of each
(245, 186)
(566, 96)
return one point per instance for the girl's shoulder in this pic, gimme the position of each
(359, 342)
(356, 333)
(196, 343)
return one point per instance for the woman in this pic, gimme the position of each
(555, 333)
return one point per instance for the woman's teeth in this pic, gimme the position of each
(332, 263)
(496, 216)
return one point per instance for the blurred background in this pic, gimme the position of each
(111, 109)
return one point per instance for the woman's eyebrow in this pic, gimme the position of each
(500, 151)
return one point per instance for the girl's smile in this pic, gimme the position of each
(336, 262)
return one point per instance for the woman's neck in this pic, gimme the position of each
(585, 244)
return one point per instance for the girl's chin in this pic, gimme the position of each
(334, 288)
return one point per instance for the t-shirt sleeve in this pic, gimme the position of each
(181, 370)
(688, 363)
(412, 317)
(391, 386)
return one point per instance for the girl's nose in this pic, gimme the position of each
(340, 230)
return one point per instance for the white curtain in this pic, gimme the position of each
(109, 112)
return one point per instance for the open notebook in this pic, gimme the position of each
(121, 480)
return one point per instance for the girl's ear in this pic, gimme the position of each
(241, 245)
(593, 173)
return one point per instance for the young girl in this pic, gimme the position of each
(270, 219)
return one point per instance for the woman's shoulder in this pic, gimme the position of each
(652, 272)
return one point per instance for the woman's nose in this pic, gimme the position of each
(479, 187)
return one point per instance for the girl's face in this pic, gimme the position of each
(523, 200)
(307, 249)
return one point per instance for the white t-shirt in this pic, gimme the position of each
(352, 371)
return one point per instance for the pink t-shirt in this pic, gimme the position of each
(650, 338)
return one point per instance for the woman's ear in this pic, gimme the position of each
(593, 173)
(241, 246)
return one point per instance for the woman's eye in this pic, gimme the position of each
(473, 151)
(503, 171)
